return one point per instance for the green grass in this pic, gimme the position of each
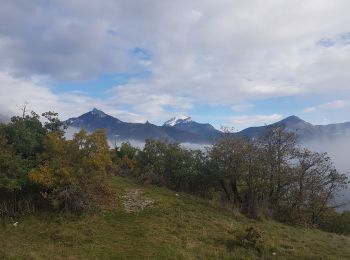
(175, 227)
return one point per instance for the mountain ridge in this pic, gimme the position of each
(305, 131)
(117, 129)
(184, 130)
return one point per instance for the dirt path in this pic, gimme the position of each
(135, 201)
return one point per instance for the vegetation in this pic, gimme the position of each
(70, 172)
(168, 164)
(175, 227)
(335, 222)
(269, 179)
(41, 169)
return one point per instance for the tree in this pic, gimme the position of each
(125, 159)
(21, 141)
(25, 135)
(72, 171)
(226, 162)
(278, 150)
(316, 184)
(273, 176)
(170, 165)
(53, 123)
(13, 170)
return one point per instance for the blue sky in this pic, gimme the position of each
(230, 63)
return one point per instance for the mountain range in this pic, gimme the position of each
(184, 130)
(119, 130)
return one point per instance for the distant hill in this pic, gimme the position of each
(305, 131)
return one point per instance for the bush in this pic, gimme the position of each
(71, 200)
(251, 237)
(336, 222)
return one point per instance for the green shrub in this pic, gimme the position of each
(251, 237)
(337, 223)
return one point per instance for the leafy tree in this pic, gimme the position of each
(126, 150)
(170, 165)
(12, 168)
(226, 162)
(72, 171)
(278, 150)
(125, 159)
(316, 184)
(53, 123)
(13, 179)
(274, 176)
(25, 135)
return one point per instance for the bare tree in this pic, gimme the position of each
(23, 108)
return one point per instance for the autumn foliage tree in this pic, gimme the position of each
(39, 167)
(72, 171)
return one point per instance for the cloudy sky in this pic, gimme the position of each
(235, 63)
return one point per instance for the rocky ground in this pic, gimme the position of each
(135, 201)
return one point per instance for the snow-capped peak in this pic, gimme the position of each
(177, 120)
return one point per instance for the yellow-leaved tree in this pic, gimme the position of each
(73, 172)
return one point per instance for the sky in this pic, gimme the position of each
(233, 63)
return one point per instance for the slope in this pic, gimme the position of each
(176, 226)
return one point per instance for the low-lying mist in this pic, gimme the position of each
(338, 151)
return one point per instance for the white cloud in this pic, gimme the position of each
(334, 105)
(15, 92)
(242, 107)
(201, 52)
(338, 104)
(310, 109)
(154, 106)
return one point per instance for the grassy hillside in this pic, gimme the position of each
(172, 226)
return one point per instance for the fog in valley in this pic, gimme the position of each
(338, 151)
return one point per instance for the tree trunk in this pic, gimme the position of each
(223, 186)
(236, 197)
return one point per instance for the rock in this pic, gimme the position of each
(134, 201)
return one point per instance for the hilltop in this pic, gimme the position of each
(171, 226)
